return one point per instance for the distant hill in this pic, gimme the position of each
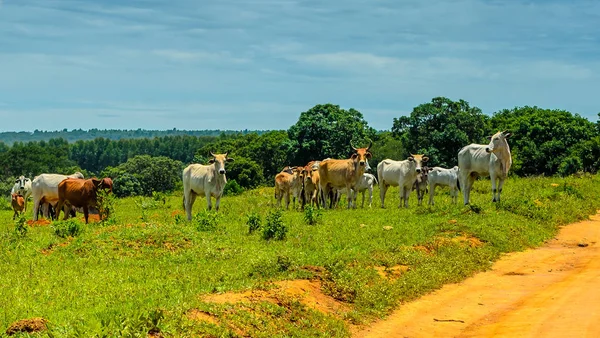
(113, 134)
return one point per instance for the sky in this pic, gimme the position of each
(217, 64)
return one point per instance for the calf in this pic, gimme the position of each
(18, 204)
(400, 174)
(311, 184)
(286, 184)
(22, 187)
(366, 182)
(421, 184)
(79, 193)
(443, 177)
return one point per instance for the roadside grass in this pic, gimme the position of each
(148, 268)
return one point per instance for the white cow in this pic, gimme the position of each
(493, 159)
(22, 187)
(208, 180)
(363, 184)
(399, 174)
(420, 184)
(45, 187)
(439, 176)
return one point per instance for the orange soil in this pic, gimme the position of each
(551, 291)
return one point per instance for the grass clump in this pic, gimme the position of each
(274, 227)
(312, 215)
(254, 222)
(207, 220)
(69, 228)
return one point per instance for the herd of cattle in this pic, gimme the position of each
(319, 183)
(52, 193)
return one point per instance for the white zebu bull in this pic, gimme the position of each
(208, 180)
(493, 159)
(400, 174)
(365, 183)
(439, 176)
(22, 187)
(45, 187)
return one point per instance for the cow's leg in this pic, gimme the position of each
(208, 201)
(494, 179)
(287, 200)
(406, 194)
(431, 193)
(36, 209)
(86, 213)
(59, 206)
(187, 204)
(370, 196)
(217, 202)
(465, 179)
(401, 194)
(500, 185)
(382, 190)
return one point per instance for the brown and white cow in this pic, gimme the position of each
(17, 203)
(208, 180)
(79, 193)
(338, 174)
(287, 184)
(402, 174)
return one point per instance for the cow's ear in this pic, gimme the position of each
(354, 155)
(425, 159)
(96, 181)
(489, 137)
(369, 155)
(229, 159)
(507, 135)
(410, 158)
(211, 161)
(429, 169)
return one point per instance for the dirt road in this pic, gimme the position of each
(552, 291)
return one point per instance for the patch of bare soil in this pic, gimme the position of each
(306, 292)
(27, 325)
(198, 315)
(551, 291)
(39, 223)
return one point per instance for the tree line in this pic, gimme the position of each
(544, 142)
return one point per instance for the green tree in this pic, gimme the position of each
(542, 139)
(440, 129)
(326, 130)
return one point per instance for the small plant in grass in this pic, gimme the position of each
(159, 196)
(274, 227)
(254, 222)
(21, 225)
(179, 219)
(312, 215)
(71, 227)
(106, 204)
(232, 188)
(207, 220)
(146, 204)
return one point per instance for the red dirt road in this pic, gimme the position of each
(551, 291)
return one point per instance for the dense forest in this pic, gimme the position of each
(11, 137)
(544, 142)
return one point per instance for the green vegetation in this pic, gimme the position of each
(151, 271)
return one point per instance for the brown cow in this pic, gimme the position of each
(18, 204)
(107, 184)
(338, 174)
(311, 184)
(78, 192)
(285, 184)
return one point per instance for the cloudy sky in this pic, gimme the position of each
(237, 64)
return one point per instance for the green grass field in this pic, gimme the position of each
(146, 269)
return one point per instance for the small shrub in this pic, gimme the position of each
(159, 196)
(274, 227)
(146, 204)
(106, 203)
(232, 188)
(254, 222)
(312, 215)
(179, 219)
(70, 227)
(283, 263)
(207, 220)
(21, 227)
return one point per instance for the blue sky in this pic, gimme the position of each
(191, 64)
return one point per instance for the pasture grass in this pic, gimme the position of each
(145, 269)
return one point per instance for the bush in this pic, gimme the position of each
(254, 222)
(312, 215)
(274, 227)
(207, 220)
(21, 225)
(232, 188)
(106, 203)
(126, 185)
(70, 227)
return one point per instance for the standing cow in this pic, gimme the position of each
(22, 187)
(443, 177)
(311, 183)
(493, 159)
(17, 203)
(338, 174)
(287, 184)
(400, 174)
(420, 184)
(45, 187)
(78, 193)
(208, 180)
(366, 182)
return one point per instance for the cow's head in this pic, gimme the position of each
(498, 141)
(14, 196)
(288, 169)
(96, 182)
(219, 161)
(106, 184)
(418, 160)
(361, 155)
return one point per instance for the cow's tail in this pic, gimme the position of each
(375, 178)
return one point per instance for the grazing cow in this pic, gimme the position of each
(286, 184)
(18, 203)
(78, 193)
(311, 184)
(22, 187)
(107, 184)
(492, 160)
(45, 186)
(338, 174)
(400, 174)
(208, 180)
(443, 177)
(366, 182)
(420, 184)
